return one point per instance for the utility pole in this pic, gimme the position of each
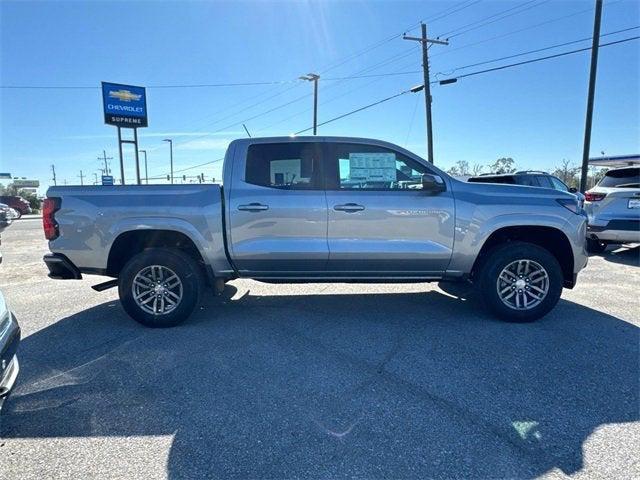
(53, 171)
(427, 85)
(171, 155)
(146, 173)
(592, 90)
(95, 175)
(313, 77)
(81, 178)
(104, 158)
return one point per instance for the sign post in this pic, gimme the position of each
(125, 106)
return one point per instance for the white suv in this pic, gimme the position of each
(613, 208)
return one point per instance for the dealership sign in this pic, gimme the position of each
(24, 183)
(124, 105)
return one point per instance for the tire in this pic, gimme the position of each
(18, 215)
(545, 274)
(595, 246)
(160, 264)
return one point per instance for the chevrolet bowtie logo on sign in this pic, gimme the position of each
(124, 105)
(124, 95)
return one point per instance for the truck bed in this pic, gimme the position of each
(91, 218)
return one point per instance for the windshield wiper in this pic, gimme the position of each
(628, 185)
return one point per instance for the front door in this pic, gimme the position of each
(381, 222)
(278, 211)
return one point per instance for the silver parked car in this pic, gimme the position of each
(613, 209)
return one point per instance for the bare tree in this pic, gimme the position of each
(567, 173)
(503, 165)
(461, 168)
(477, 169)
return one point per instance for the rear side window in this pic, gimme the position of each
(293, 166)
(545, 181)
(623, 177)
(488, 179)
(528, 180)
(558, 184)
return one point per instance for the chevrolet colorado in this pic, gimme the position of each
(317, 209)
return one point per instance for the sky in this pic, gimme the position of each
(533, 113)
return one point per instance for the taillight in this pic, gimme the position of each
(594, 196)
(49, 207)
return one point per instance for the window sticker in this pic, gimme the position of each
(372, 167)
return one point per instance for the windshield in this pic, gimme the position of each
(621, 178)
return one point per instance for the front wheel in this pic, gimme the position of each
(160, 287)
(520, 282)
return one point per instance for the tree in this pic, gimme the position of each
(567, 173)
(461, 168)
(477, 169)
(503, 165)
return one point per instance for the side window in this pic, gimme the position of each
(558, 185)
(292, 166)
(367, 167)
(545, 182)
(528, 180)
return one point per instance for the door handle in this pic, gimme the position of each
(349, 207)
(253, 207)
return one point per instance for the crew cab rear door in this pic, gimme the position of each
(278, 210)
(381, 222)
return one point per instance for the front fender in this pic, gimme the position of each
(471, 234)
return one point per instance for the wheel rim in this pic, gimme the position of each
(157, 290)
(523, 284)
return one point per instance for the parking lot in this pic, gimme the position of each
(324, 380)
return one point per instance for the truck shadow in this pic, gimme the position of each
(418, 385)
(625, 256)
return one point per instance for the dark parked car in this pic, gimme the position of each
(530, 178)
(17, 203)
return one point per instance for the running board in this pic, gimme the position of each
(105, 285)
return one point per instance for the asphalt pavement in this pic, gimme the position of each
(321, 381)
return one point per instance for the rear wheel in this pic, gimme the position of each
(520, 282)
(595, 245)
(160, 287)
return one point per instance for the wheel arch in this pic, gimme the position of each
(552, 239)
(132, 242)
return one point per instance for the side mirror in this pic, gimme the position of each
(573, 190)
(432, 183)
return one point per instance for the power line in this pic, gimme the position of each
(537, 50)
(356, 110)
(534, 60)
(491, 19)
(502, 67)
(513, 32)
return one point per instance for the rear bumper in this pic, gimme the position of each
(621, 231)
(60, 267)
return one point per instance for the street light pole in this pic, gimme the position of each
(146, 173)
(313, 77)
(171, 155)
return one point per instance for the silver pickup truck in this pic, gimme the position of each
(317, 209)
